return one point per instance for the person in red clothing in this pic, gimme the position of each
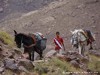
(59, 43)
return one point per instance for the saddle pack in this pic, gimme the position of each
(40, 40)
(89, 36)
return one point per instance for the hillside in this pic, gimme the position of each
(14, 62)
(59, 15)
(49, 16)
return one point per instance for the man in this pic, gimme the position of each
(59, 44)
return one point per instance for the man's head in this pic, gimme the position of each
(57, 33)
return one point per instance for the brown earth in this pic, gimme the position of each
(55, 15)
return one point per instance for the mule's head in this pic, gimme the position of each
(18, 39)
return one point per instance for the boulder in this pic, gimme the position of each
(84, 60)
(10, 64)
(83, 66)
(1, 64)
(23, 69)
(75, 63)
(71, 55)
(2, 55)
(11, 54)
(62, 57)
(50, 54)
(28, 65)
(1, 70)
(17, 51)
(94, 52)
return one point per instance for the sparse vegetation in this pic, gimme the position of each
(61, 15)
(6, 38)
(94, 63)
(8, 72)
(55, 67)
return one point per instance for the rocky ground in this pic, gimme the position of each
(49, 16)
(14, 62)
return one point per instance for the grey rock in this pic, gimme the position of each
(26, 63)
(84, 60)
(10, 64)
(50, 54)
(22, 68)
(94, 52)
(1, 69)
(83, 66)
(17, 51)
(1, 64)
(75, 63)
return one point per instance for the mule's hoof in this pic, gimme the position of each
(91, 48)
(40, 58)
(32, 59)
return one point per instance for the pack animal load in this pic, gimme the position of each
(40, 40)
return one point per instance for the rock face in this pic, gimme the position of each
(27, 64)
(1, 69)
(10, 60)
(61, 15)
(20, 65)
(75, 59)
(10, 64)
(50, 54)
(95, 52)
(75, 63)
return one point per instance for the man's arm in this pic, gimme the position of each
(63, 44)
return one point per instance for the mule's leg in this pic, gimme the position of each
(40, 49)
(83, 49)
(41, 52)
(32, 55)
(80, 49)
(29, 53)
(90, 46)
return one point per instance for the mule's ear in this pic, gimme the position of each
(71, 31)
(15, 32)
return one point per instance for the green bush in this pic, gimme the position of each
(6, 38)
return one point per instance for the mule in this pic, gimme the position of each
(81, 38)
(30, 44)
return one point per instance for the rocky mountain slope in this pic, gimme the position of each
(14, 62)
(47, 17)
(55, 15)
